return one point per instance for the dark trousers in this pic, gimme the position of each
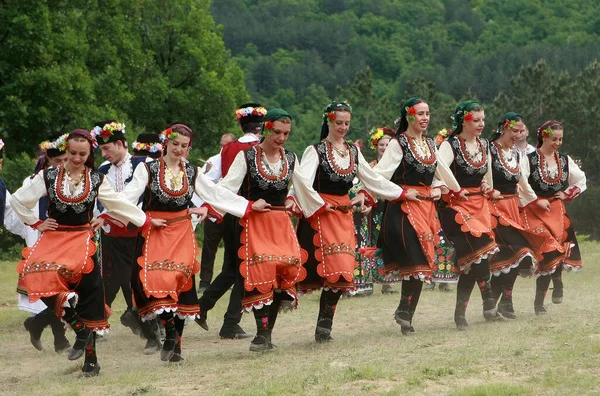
(213, 232)
(230, 275)
(117, 261)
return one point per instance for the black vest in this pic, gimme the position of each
(414, 170)
(505, 178)
(160, 198)
(467, 172)
(330, 179)
(258, 183)
(543, 187)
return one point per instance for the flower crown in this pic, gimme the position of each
(410, 114)
(509, 124)
(330, 115)
(375, 136)
(167, 134)
(150, 147)
(108, 130)
(441, 136)
(59, 144)
(248, 111)
(548, 132)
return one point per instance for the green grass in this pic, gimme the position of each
(556, 354)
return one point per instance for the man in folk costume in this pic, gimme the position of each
(213, 230)
(250, 117)
(118, 244)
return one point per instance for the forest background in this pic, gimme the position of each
(148, 63)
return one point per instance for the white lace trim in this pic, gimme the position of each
(155, 313)
(467, 268)
(516, 264)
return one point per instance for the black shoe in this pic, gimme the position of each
(201, 321)
(323, 331)
(402, 318)
(461, 323)
(236, 334)
(176, 358)
(151, 347)
(494, 318)
(540, 310)
(407, 330)
(83, 339)
(489, 309)
(429, 286)
(61, 345)
(445, 287)
(168, 347)
(90, 369)
(506, 309)
(261, 343)
(35, 334)
(557, 296)
(129, 319)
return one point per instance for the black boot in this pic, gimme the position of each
(35, 326)
(557, 292)
(84, 336)
(327, 307)
(542, 284)
(201, 321)
(91, 368)
(61, 343)
(465, 285)
(130, 319)
(151, 332)
(262, 341)
(168, 348)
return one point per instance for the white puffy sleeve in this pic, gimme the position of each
(115, 207)
(24, 200)
(136, 187)
(445, 157)
(526, 193)
(220, 199)
(304, 175)
(376, 183)
(392, 157)
(577, 180)
(237, 172)
(12, 222)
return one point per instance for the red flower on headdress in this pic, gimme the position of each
(268, 125)
(105, 134)
(468, 116)
(411, 110)
(331, 115)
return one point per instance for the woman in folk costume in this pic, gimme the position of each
(327, 231)
(411, 232)
(367, 226)
(517, 246)
(553, 178)
(164, 283)
(68, 279)
(465, 213)
(55, 155)
(270, 259)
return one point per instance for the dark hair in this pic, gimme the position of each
(553, 125)
(182, 129)
(403, 120)
(251, 127)
(83, 134)
(511, 116)
(459, 114)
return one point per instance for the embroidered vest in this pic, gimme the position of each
(159, 197)
(468, 172)
(542, 185)
(261, 183)
(505, 177)
(414, 170)
(330, 178)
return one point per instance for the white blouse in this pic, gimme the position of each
(311, 201)
(393, 155)
(446, 157)
(25, 199)
(576, 179)
(219, 198)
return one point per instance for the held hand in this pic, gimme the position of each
(329, 207)
(97, 223)
(208, 167)
(412, 195)
(462, 196)
(496, 195)
(365, 210)
(48, 225)
(291, 207)
(158, 223)
(485, 188)
(359, 198)
(560, 195)
(261, 206)
(201, 212)
(544, 204)
(436, 194)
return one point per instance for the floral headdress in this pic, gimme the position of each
(377, 133)
(508, 121)
(105, 133)
(270, 118)
(441, 136)
(167, 134)
(59, 144)
(150, 147)
(546, 129)
(408, 114)
(259, 111)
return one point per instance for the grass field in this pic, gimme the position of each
(556, 354)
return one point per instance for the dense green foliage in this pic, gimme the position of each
(534, 57)
(148, 63)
